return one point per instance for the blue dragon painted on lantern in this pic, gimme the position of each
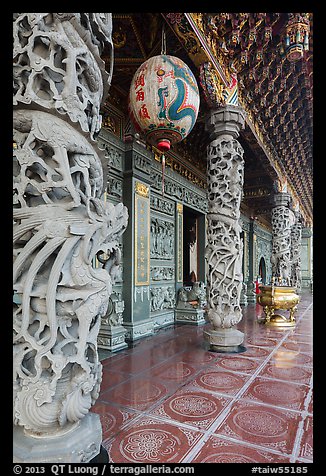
(178, 109)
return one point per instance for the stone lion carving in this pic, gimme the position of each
(193, 298)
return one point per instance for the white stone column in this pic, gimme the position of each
(282, 221)
(296, 232)
(225, 167)
(60, 224)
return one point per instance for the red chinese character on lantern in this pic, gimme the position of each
(140, 96)
(140, 81)
(143, 112)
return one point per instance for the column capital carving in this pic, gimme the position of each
(228, 119)
(281, 198)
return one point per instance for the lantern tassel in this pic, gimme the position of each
(163, 171)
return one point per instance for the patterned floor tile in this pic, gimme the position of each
(261, 341)
(298, 346)
(311, 404)
(113, 419)
(237, 363)
(306, 443)
(276, 392)
(111, 378)
(219, 381)
(197, 356)
(261, 425)
(150, 441)
(137, 393)
(291, 358)
(219, 450)
(287, 373)
(255, 352)
(198, 409)
(174, 374)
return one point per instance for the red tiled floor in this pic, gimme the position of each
(310, 405)
(170, 399)
(197, 356)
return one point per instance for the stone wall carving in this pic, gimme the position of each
(60, 219)
(162, 273)
(114, 156)
(179, 188)
(162, 298)
(224, 248)
(162, 205)
(162, 239)
(114, 314)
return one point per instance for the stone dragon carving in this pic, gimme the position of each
(60, 220)
(282, 221)
(296, 232)
(224, 249)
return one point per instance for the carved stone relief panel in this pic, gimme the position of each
(162, 273)
(162, 239)
(162, 205)
(162, 298)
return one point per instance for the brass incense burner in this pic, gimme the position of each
(274, 298)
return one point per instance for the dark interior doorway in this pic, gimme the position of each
(190, 246)
(262, 270)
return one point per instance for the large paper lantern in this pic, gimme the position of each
(164, 100)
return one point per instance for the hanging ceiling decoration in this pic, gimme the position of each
(296, 36)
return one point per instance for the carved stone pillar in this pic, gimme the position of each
(296, 253)
(224, 249)
(307, 258)
(282, 221)
(60, 224)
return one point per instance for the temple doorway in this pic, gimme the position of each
(191, 248)
(262, 270)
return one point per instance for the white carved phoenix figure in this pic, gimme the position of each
(60, 225)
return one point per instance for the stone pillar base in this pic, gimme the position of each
(138, 330)
(112, 339)
(79, 445)
(225, 340)
(190, 316)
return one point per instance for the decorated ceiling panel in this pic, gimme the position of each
(271, 56)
